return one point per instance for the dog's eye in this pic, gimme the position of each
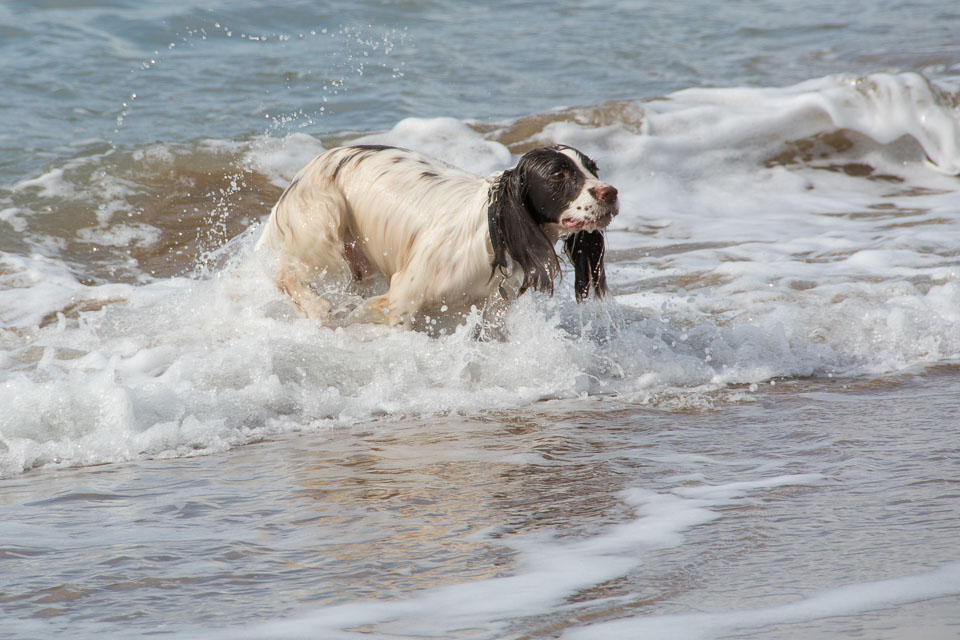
(558, 176)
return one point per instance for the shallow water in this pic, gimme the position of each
(753, 437)
(815, 509)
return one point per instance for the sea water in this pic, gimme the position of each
(753, 436)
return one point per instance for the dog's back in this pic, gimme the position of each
(395, 210)
(381, 198)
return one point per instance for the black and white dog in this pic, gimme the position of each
(444, 239)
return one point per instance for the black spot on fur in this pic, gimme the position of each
(372, 147)
(289, 188)
(358, 152)
(343, 162)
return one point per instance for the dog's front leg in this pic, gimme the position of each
(292, 281)
(380, 310)
(375, 310)
(398, 307)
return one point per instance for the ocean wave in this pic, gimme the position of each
(765, 234)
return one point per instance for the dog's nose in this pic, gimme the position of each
(604, 193)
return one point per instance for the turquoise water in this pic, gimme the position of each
(753, 437)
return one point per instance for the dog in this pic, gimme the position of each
(445, 240)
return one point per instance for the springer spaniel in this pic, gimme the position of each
(444, 239)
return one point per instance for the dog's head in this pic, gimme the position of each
(553, 192)
(562, 188)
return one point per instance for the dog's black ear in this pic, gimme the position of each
(585, 250)
(514, 232)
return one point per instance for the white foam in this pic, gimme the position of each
(51, 183)
(124, 235)
(31, 287)
(449, 140)
(180, 367)
(846, 600)
(14, 217)
(281, 158)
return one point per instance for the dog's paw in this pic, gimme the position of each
(317, 309)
